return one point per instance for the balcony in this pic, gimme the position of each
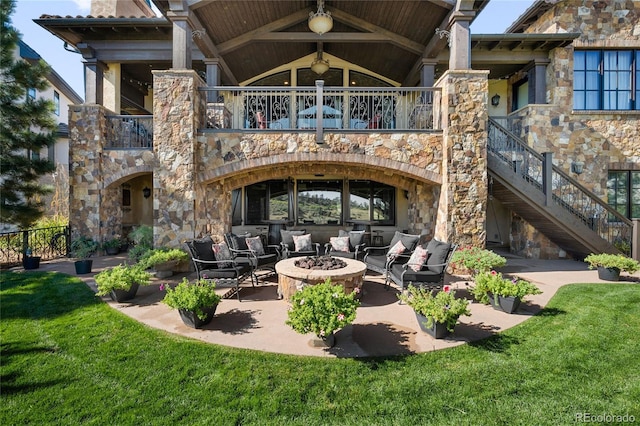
(343, 109)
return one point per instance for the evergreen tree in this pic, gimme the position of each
(26, 127)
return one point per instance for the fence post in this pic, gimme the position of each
(635, 239)
(547, 177)
(319, 111)
(25, 243)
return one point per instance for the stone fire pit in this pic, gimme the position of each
(292, 278)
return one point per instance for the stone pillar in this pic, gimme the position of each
(213, 208)
(176, 110)
(86, 142)
(460, 40)
(463, 196)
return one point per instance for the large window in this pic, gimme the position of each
(623, 192)
(604, 80)
(319, 202)
(56, 102)
(316, 201)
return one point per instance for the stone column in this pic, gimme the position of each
(213, 208)
(86, 142)
(176, 119)
(463, 197)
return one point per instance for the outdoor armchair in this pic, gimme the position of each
(224, 270)
(347, 244)
(251, 248)
(380, 259)
(298, 243)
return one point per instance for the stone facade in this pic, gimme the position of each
(602, 140)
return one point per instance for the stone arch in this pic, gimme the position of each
(122, 176)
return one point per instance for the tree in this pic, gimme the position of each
(26, 126)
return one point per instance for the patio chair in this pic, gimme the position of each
(380, 259)
(223, 269)
(296, 243)
(425, 268)
(347, 244)
(251, 248)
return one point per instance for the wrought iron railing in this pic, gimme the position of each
(538, 171)
(48, 243)
(129, 131)
(343, 108)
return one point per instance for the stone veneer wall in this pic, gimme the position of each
(175, 111)
(463, 198)
(603, 140)
(86, 141)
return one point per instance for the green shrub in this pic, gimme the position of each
(607, 260)
(493, 282)
(154, 257)
(443, 308)
(142, 238)
(477, 260)
(120, 277)
(83, 247)
(192, 297)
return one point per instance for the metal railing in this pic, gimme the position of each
(343, 108)
(48, 243)
(129, 131)
(559, 187)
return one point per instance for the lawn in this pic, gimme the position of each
(68, 358)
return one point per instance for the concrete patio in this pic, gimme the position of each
(383, 327)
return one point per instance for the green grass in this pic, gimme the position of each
(68, 358)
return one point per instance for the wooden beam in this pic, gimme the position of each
(248, 37)
(307, 37)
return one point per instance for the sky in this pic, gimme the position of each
(497, 16)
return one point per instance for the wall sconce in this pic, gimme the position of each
(146, 192)
(495, 100)
(321, 21)
(577, 167)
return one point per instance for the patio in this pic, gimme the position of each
(382, 327)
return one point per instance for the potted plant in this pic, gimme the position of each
(610, 265)
(503, 293)
(195, 302)
(112, 245)
(83, 248)
(162, 260)
(477, 260)
(142, 240)
(322, 309)
(29, 261)
(121, 282)
(438, 313)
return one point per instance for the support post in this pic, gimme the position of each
(635, 239)
(319, 111)
(547, 177)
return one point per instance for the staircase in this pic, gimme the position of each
(526, 182)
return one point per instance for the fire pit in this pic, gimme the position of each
(292, 277)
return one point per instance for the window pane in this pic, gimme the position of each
(278, 200)
(319, 202)
(383, 204)
(592, 100)
(256, 202)
(359, 200)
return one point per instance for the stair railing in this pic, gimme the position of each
(538, 171)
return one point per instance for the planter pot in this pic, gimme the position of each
(123, 295)
(111, 251)
(31, 262)
(323, 342)
(508, 304)
(437, 330)
(165, 269)
(608, 274)
(83, 266)
(190, 318)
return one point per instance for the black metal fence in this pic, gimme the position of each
(47, 243)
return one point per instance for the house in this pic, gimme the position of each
(62, 95)
(207, 119)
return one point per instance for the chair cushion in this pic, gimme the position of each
(424, 276)
(203, 248)
(222, 252)
(302, 242)
(255, 245)
(287, 236)
(409, 240)
(376, 263)
(237, 243)
(339, 243)
(397, 249)
(438, 252)
(418, 258)
(355, 238)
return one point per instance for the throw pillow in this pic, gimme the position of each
(339, 243)
(418, 258)
(302, 242)
(409, 240)
(438, 252)
(255, 245)
(287, 236)
(202, 249)
(222, 252)
(395, 251)
(238, 242)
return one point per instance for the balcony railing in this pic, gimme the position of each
(129, 131)
(342, 108)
